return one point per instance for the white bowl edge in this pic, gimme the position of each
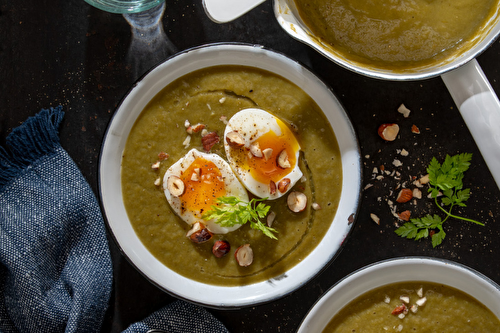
(110, 180)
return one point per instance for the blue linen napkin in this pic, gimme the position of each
(55, 265)
(56, 272)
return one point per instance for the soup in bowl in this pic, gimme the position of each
(414, 294)
(170, 159)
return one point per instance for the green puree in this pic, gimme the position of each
(203, 97)
(447, 310)
(397, 34)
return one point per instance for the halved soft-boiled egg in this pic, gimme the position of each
(263, 152)
(195, 181)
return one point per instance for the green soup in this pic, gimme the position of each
(431, 308)
(397, 34)
(209, 96)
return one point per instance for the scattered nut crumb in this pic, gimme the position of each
(187, 141)
(404, 110)
(405, 216)
(424, 180)
(162, 156)
(157, 181)
(375, 218)
(397, 163)
(155, 166)
(316, 206)
(417, 193)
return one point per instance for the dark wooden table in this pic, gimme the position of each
(65, 52)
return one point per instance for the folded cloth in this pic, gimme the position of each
(55, 272)
(179, 317)
(55, 265)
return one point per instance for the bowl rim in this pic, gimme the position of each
(314, 317)
(276, 283)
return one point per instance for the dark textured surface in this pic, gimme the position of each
(66, 52)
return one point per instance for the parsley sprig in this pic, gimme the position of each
(231, 211)
(447, 179)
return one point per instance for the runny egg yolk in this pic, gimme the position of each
(265, 170)
(204, 184)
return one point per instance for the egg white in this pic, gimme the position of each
(232, 185)
(252, 124)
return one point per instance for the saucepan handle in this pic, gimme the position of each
(222, 11)
(480, 109)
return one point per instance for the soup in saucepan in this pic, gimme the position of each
(397, 35)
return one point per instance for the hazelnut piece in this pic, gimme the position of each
(235, 139)
(270, 218)
(268, 152)
(255, 150)
(244, 255)
(199, 233)
(282, 160)
(272, 187)
(296, 201)
(284, 184)
(404, 195)
(221, 248)
(175, 186)
(388, 132)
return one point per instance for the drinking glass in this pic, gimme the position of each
(124, 6)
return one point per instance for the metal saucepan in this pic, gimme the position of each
(462, 75)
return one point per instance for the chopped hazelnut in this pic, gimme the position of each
(297, 201)
(270, 218)
(421, 301)
(400, 309)
(268, 152)
(315, 206)
(272, 187)
(405, 216)
(175, 186)
(158, 181)
(162, 156)
(235, 139)
(195, 128)
(196, 175)
(375, 218)
(209, 140)
(404, 110)
(404, 195)
(255, 150)
(199, 233)
(405, 298)
(221, 248)
(155, 166)
(282, 160)
(244, 255)
(388, 132)
(284, 184)
(424, 180)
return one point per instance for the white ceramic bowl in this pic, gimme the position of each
(399, 270)
(111, 192)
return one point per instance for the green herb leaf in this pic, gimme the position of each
(445, 179)
(231, 211)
